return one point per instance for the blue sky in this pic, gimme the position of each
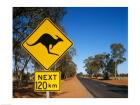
(94, 29)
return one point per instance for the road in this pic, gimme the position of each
(104, 90)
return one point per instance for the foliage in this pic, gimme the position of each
(80, 74)
(92, 65)
(66, 64)
(117, 51)
(104, 62)
(117, 55)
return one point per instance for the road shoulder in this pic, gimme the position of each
(72, 88)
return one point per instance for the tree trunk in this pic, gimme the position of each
(115, 71)
(22, 71)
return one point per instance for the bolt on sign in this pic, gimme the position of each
(47, 81)
(46, 44)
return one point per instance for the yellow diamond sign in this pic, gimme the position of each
(46, 44)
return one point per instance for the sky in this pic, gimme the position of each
(94, 29)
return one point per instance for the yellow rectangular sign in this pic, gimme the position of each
(47, 81)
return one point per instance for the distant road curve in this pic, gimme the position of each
(104, 90)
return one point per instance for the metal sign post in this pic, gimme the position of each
(47, 94)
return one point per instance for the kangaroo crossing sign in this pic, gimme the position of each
(46, 44)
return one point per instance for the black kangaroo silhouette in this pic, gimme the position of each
(47, 40)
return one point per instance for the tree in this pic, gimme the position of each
(25, 20)
(92, 66)
(87, 65)
(80, 74)
(66, 64)
(103, 60)
(117, 55)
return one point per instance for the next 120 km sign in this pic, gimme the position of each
(47, 81)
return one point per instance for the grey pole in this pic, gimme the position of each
(47, 94)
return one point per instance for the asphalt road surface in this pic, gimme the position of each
(104, 90)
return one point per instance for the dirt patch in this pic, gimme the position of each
(72, 88)
(27, 92)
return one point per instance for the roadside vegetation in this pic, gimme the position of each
(105, 64)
